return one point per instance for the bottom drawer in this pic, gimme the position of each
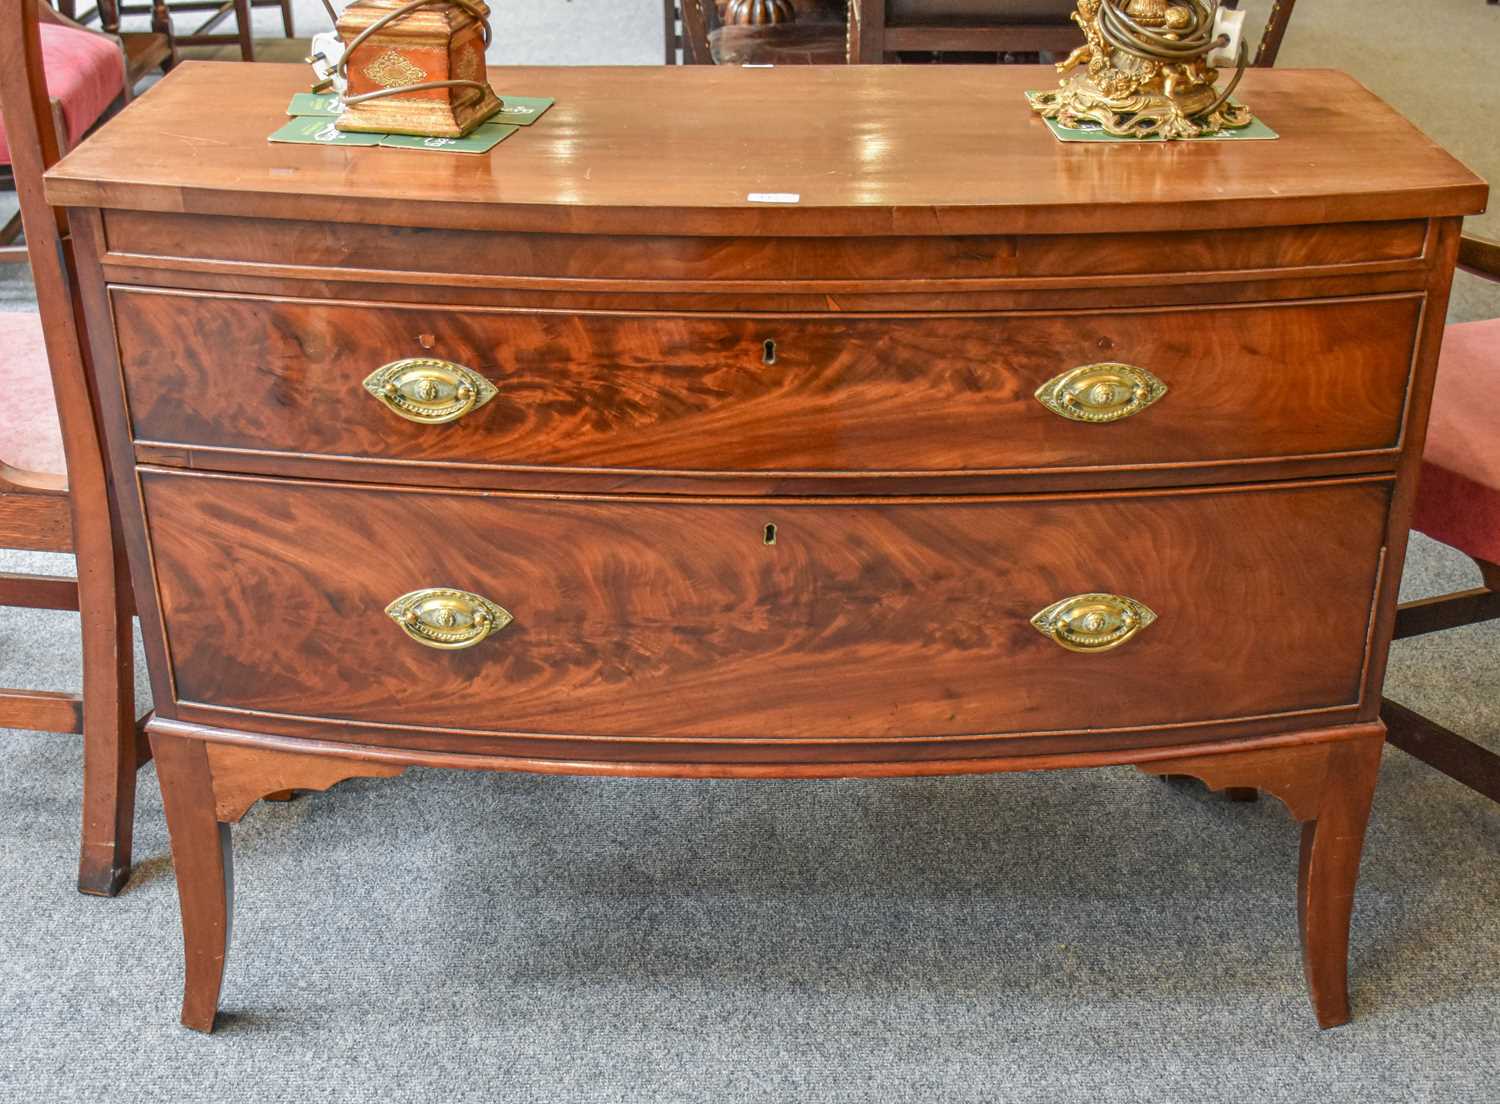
(768, 620)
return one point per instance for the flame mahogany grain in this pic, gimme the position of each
(689, 393)
(607, 270)
(870, 620)
(559, 262)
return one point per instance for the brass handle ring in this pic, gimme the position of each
(427, 391)
(1104, 392)
(1092, 622)
(442, 617)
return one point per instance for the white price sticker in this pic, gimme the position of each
(774, 197)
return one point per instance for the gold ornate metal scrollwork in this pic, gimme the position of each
(427, 391)
(1104, 392)
(1150, 71)
(442, 617)
(1093, 622)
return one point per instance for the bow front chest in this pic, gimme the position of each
(877, 434)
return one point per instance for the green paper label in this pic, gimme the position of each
(314, 103)
(521, 110)
(484, 139)
(318, 130)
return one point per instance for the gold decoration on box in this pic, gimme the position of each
(390, 70)
(1147, 71)
(1092, 622)
(469, 65)
(1104, 392)
(447, 618)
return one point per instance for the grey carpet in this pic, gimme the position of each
(1094, 936)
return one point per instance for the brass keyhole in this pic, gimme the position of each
(768, 356)
(770, 534)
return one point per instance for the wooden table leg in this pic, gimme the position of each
(205, 787)
(202, 855)
(1328, 785)
(1329, 867)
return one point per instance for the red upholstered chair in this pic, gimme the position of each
(87, 74)
(47, 427)
(1458, 503)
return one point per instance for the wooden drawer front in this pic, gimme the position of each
(674, 618)
(830, 394)
(469, 257)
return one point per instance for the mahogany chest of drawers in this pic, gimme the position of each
(973, 451)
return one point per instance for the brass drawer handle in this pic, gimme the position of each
(1104, 392)
(429, 391)
(1093, 622)
(442, 617)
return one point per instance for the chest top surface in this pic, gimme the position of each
(867, 150)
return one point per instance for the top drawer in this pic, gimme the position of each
(663, 262)
(767, 395)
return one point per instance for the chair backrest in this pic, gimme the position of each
(869, 19)
(34, 147)
(1275, 30)
(698, 18)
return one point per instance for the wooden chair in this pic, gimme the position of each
(110, 12)
(881, 29)
(89, 76)
(678, 49)
(819, 35)
(815, 36)
(47, 511)
(1273, 32)
(1458, 503)
(145, 51)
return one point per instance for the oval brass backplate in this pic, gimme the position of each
(442, 617)
(428, 391)
(1104, 392)
(1093, 622)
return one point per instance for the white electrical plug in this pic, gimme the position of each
(327, 52)
(1232, 25)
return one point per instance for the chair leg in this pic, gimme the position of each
(1459, 758)
(110, 757)
(246, 28)
(287, 22)
(204, 862)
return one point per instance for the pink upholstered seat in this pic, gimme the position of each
(1458, 502)
(30, 438)
(85, 73)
